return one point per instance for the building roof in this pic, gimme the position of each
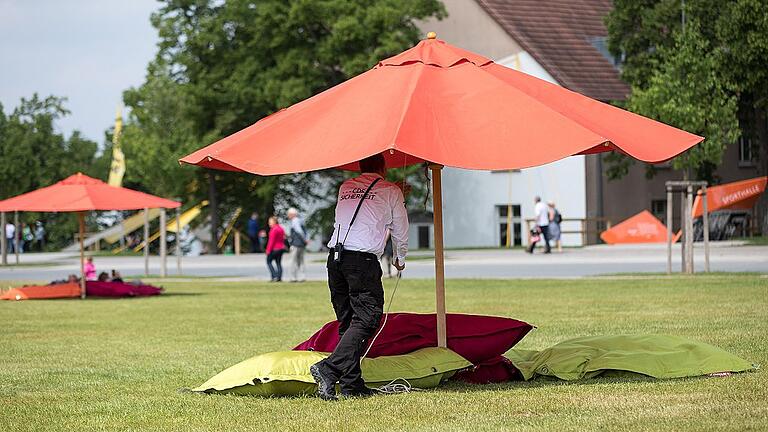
(561, 35)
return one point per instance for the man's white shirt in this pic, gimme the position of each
(383, 210)
(542, 214)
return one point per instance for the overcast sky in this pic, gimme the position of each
(86, 50)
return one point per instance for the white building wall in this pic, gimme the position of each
(470, 200)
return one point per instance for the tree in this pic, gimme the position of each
(686, 92)
(734, 48)
(222, 66)
(35, 155)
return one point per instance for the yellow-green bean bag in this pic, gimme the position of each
(657, 356)
(286, 373)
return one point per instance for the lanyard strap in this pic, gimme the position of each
(354, 216)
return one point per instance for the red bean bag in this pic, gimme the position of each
(477, 338)
(496, 370)
(119, 289)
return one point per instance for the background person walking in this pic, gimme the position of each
(542, 222)
(554, 225)
(298, 241)
(275, 249)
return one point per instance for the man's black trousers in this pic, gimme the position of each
(358, 300)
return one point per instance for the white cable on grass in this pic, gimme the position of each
(394, 387)
(386, 314)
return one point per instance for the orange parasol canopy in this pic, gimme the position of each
(82, 193)
(445, 105)
(737, 195)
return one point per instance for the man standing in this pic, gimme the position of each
(367, 208)
(542, 221)
(10, 236)
(298, 240)
(252, 230)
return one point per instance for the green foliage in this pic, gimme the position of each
(34, 155)
(743, 32)
(221, 66)
(685, 92)
(732, 61)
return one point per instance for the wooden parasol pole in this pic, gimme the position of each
(670, 203)
(163, 245)
(437, 204)
(178, 242)
(16, 234)
(81, 220)
(3, 240)
(146, 241)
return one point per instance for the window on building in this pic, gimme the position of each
(745, 151)
(510, 225)
(423, 237)
(659, 209)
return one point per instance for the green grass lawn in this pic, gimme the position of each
(76, 365)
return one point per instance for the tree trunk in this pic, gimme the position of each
(213, 208)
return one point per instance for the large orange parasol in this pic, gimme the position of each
(446, 106)
(80, 193)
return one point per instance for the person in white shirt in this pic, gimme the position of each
(354, 276)
(297, 237)
(10, 236)
(542, 221)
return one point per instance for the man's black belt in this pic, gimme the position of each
(358, 253)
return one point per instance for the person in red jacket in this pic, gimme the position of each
(275, 249)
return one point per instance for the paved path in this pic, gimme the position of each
(490, 263)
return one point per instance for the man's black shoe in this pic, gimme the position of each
(326, 388)
(359, 393)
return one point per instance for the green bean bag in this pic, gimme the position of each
(656, 356)
(286, 373)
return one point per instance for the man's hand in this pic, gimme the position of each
(398, 266)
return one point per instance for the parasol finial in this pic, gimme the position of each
(431, 35)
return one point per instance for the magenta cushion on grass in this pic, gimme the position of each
(495, 370)
(477, 338)
(119, 289)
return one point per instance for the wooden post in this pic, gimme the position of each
(705, 226)
(437, 204)
(669, 221)
(178, 240)
(683, 242)
(16, 234)
(146, 241)
(3, 241)
(163, 245)
(689, 229)
(81, 220)
(237, 242)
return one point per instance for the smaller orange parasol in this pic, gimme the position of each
(80, 193)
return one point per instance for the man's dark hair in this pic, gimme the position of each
(373, 164)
